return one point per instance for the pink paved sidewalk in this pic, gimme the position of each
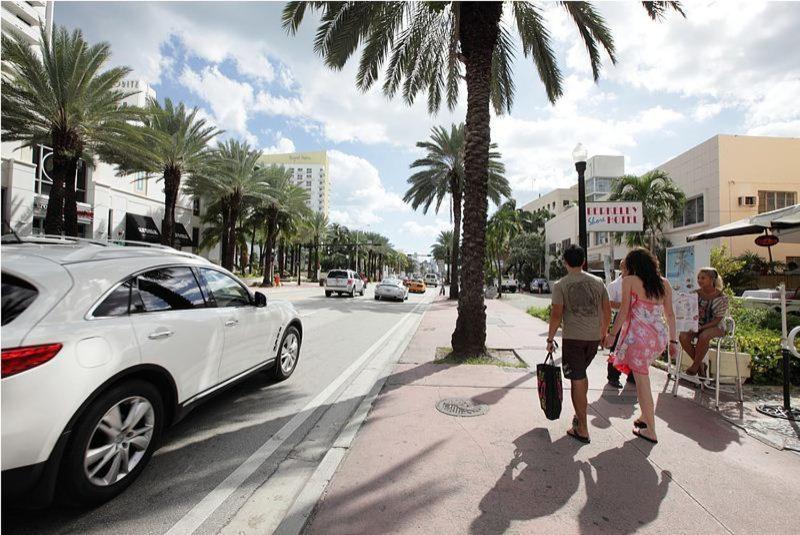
(412, 469)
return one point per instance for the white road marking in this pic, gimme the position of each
(206, 507)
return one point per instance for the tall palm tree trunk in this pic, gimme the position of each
(268, 262)
(252, 250)
(455, 188)
(71, 198)
(64, 167)
(316, 261)
(478, 26)
(233, 205)
(172, 183)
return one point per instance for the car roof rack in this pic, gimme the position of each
(55, 238)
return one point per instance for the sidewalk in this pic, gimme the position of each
(413, 469)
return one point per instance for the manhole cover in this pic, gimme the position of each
(461, 407)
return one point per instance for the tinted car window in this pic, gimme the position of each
(226, 291)
(116, 304)
(172, 288)
(337, 275)
(17, 297)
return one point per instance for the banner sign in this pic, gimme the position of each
(614, 217)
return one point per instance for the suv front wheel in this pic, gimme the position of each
(112, 442)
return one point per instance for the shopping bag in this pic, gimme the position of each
(548, 376)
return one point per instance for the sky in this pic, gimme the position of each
(727, 68)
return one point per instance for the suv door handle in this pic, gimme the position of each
(231, 323)
(160, 334)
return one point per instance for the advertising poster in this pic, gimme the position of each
(681, 271)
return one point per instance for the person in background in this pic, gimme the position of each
(615, 298)
(580, 302)
(712, 305)
(646, 303)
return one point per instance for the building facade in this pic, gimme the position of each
(725, 178)
(310, 171)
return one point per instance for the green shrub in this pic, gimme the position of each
(543, 313)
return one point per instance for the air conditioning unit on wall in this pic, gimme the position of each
(748, 200)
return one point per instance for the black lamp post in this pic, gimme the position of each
(579, 155)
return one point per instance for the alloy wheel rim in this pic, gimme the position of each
(289, 352)
(119, 441)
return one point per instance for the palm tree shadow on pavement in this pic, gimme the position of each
(538, 481)
(623, 490)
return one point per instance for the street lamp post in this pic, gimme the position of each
(579, 155)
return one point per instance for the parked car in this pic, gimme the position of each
(431, 279)
(391, 289)
(508, 284)
(417, 286)
(343, 281)
(540, 286)
(771, 299)
(105, 346)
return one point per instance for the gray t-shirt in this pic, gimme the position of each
(583, 296)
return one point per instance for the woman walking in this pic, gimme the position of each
(646, 303)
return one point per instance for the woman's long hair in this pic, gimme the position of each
(644, 264)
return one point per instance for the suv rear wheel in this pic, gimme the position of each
(112, 442)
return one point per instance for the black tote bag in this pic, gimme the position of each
(551, 393)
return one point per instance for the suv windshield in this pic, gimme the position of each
(337, 275)
(17, 297)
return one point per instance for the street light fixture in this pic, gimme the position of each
(579, 155)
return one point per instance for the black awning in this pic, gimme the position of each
(182, 238)
(141, 228)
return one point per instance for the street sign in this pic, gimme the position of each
(767, 240)
(614, 217)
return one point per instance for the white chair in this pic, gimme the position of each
(729, 328)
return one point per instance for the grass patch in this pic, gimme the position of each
(543, 313)
(492, 357)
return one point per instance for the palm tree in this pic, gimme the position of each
(662, 200)
(441, 174)
(233, 178)
(503, 226)
(65, 100)
(171, 143)
(283, 200)
(442, 250)
(426, 44)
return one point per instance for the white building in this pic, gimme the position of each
(310, 171)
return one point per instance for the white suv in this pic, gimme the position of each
(104, 346)
(343, 281)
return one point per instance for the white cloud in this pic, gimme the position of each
(358, 195)
(706, 110)
(430, 231)
(282, 146)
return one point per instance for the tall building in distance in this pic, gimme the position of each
(310, 171)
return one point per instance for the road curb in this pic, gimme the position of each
(302, 510)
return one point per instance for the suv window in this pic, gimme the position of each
(338, 274)
(226, 291)
(17, 297)
(171, 288)
(117, 302)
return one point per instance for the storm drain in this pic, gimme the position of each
(461, 407)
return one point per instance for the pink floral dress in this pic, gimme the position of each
(642, 338)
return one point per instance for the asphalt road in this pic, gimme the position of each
(213, 441)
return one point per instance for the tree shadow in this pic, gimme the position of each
(626, 492)
(537, 482)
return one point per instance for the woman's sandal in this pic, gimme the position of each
(640, 435)
(638, 424)
(574, 434)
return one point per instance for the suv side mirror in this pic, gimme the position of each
(261, 300)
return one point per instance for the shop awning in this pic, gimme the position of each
(784, 222)
(141, 228)
(182, 238)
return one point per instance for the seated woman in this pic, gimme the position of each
(712, 305)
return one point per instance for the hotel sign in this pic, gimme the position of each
(614, 217)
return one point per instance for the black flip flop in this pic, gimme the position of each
(574, 434)
(638, 424)
(638, 434)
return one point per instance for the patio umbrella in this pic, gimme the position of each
(784, 223)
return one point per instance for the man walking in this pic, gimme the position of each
(580, 307)
(615, 298)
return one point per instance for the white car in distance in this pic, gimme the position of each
(104, 346)
(343, 282)
(431, 279)
(391, 289)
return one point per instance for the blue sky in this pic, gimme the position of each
(729, 67)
